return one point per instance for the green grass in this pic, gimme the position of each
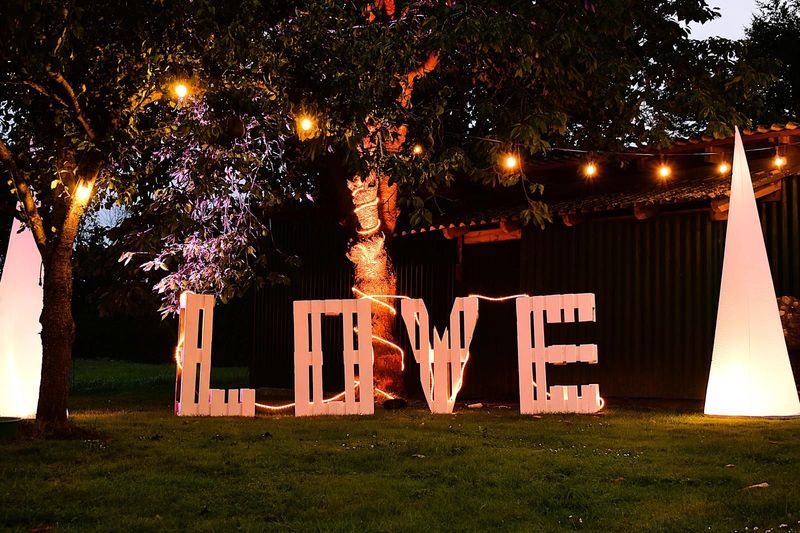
(486, 470)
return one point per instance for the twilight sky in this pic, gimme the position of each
(736, 15)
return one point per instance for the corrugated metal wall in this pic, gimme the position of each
(325, 273)
(656, 282)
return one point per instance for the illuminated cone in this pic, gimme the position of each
(750, 370)
(20, 343)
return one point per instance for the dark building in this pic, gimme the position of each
(650, 249)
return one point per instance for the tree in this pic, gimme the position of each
(85, 105)
(88, 97)
(489, 78)
(773, 39)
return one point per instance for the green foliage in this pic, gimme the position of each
(202, 176)
(772, 42)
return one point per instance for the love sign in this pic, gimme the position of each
(449, 353)
(442, 358)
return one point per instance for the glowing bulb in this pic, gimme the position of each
(83, 192)
(306, 124)
(723, 168)
(664, 172)
(590, 170)
(779, 161)
(417, 149)
(181, 90)
(511, 162)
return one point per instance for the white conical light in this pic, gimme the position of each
(20, 343)
(750, 370)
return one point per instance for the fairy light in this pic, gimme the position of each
(498, 298)
(374, 298)
(339, 396)
(180, 89)
(306, 126)
(365, 200)
(83, 192)
(366, 205)
(779, 161)
(275, 407)
(417, 149)
(390, 344)
(590, 170)
(178, 350)
(384, 394)
(664, 172)
(510, 162)
(370, 231)
(723, 168)
(306, 123)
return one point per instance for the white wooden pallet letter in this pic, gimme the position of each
(359, 395)
(532, 351)
(193, 395)
(450, 351)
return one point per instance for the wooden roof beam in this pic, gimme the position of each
(455, 232)
(491, 235)
(761, 192)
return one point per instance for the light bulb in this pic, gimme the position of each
(590, 170)
(664, 172)
(417, 149)
(723, 168)
(779, 161)
(181, 90)
(511, 162)
(83, 192)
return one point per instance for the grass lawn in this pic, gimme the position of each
(476, 470)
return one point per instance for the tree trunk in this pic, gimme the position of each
(58, 326)
(375, 209)
(58, 334)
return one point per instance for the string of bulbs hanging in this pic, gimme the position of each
(510, 162)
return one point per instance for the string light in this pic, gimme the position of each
(511, 162)
(328, 400)
(779, 161)
(375, 299)
(83, 192)
(723, 168)
(417, 149)
(178, 353)
(499, 298)
(590, 170)
(306, 124)
(664, 172)
(181, 90)
(390, 344)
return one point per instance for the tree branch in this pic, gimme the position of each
(41, 90)
(76, 106)
(25, 197)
